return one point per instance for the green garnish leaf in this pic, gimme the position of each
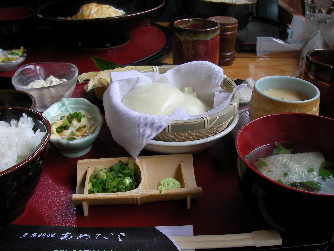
(279, 149)
(64, 126)
(260, 162)
(71, 138)
(310, 170)
(309, 185)
(104, 64)
(80, 127)
(325, 173)
(75, 115)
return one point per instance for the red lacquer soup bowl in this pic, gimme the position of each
(294, 206)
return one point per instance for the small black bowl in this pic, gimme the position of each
(16, 98)
(17, 183)
(240, 11)
(98, 32)
(15, 23)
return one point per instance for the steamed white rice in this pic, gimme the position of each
(18, 141)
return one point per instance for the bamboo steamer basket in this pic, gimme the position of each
(262, 104)
(195, 129)
(182, 130)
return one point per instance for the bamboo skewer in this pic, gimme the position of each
(256, 238)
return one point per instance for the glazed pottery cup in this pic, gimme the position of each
(195, 39)
(319, 70)
(228, 36)
(263, 104)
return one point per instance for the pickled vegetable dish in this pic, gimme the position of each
(11, 55)
(73, 126)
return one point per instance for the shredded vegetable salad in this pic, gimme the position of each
(11, 55)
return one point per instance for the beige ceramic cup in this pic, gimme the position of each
(262, 104)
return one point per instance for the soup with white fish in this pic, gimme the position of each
(304, 170)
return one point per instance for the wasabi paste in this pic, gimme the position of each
(168, 184)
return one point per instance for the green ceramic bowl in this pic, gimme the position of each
(79, 146)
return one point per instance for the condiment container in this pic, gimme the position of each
(149, 170)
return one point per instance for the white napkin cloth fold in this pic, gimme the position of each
(133, 130)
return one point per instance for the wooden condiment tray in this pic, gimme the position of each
(149, 171)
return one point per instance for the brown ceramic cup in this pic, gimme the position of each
(228, 35)
(319, 70)
(195, 39)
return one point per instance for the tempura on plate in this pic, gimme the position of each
(94, 10)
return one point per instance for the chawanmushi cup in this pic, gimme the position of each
(263, 104)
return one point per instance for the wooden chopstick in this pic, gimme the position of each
(256, 238)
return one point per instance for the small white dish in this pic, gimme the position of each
(193, 147)
(7, 66)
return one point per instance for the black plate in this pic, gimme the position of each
(98, 32)
(260, 27)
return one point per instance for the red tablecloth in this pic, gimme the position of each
(143, 43)
(220, 210)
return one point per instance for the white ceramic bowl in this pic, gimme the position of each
(46, 96)
(7, 66)
(194, 146)
(79, 146)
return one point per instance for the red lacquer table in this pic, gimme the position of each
(221, 208)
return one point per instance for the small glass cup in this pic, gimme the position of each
(319, 70)
(195, 39)
(319, 15)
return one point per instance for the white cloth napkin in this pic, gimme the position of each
(133, 130)
(246, 93)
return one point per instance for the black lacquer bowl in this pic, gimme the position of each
(240, 11)
(283, 207)
(98, 32)
(17, 183)
(16, 23)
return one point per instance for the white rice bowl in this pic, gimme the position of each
(18, 141)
